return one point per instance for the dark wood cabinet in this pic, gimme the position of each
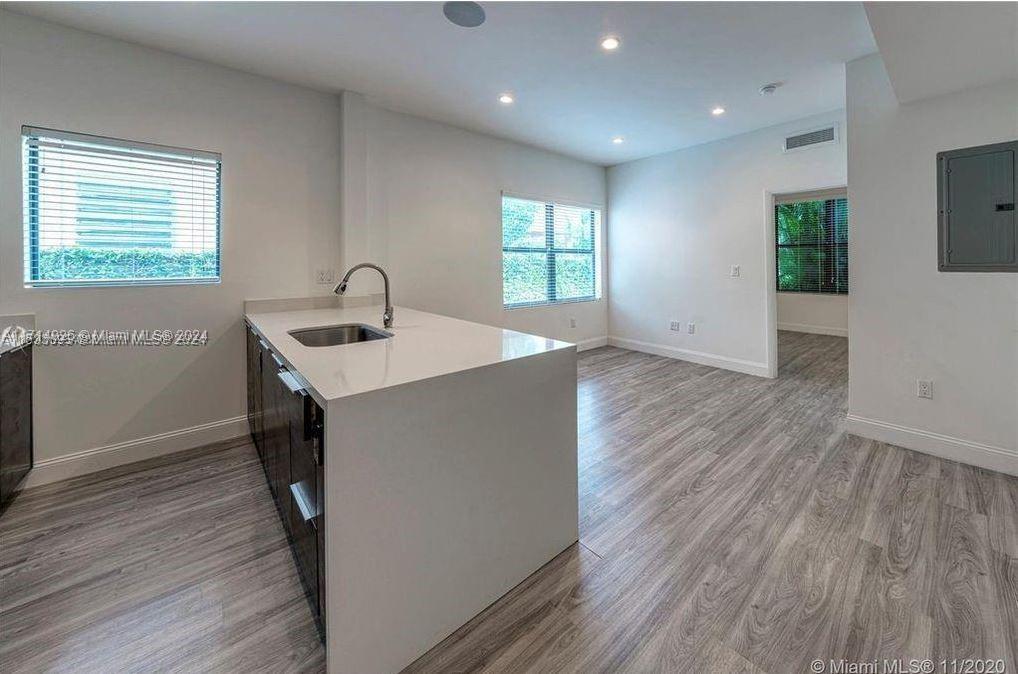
(15, 421)
(273, 422)
(287, 426)
(320, 530)
(266, 415)
(304, 497)
(254, 389)
(277, 433)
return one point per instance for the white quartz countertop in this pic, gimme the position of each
(422, 346)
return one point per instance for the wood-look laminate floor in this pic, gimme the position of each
(178, 564)
(727, 524)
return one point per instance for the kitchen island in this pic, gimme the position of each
(447, 474)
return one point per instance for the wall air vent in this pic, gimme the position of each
(827, 135)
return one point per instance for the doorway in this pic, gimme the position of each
(808, 266)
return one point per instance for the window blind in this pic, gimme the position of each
(549, 252)
(101, 211)
(811, 237)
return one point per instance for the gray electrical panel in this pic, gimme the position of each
(977, 228)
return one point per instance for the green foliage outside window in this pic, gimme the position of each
(574, 275)
(79, 262)
(548, 252)
(519, 217)
(812, 246)
(524, 278)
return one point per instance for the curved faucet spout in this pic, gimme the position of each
(341, 288)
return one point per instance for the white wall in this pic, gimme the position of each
(310, 181)
(424, 198)
(678, 221)
(280, 149)
(908, 320)
(814, 312)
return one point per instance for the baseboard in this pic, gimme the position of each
(592, 343)
(946, 447)
(699, 357)
(118, 454)
(814, 329)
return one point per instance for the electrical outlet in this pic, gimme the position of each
(325, 276)
(736, 271)
(691, 328)
(572, 322)
(675, 326)
(923, 388)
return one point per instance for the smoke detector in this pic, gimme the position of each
(768, 89)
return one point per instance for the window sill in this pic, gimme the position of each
(533, 305)
(50, 285)
(811, 292)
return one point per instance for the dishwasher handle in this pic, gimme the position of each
(305, 510)
(290, 382)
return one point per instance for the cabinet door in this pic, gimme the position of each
(15, 421)
(303, 487)
(277, 433)
(269, 418)
(254, 389)
(320, 535)
(281, 446)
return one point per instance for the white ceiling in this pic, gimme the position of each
(936, 48)
(676, 62)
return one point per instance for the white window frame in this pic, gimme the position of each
(31, 206)
(550, 251)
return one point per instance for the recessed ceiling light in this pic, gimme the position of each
(610, 43)
(506, 99)
(618, 140)
(718, 110)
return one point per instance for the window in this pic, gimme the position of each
(111, 212)
(549, 253)
(812, 242)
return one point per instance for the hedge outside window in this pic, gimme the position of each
(811, 236)
(100, 211)
(549, 253)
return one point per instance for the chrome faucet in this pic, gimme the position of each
(341, 288)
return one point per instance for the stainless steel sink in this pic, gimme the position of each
(333, 335)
